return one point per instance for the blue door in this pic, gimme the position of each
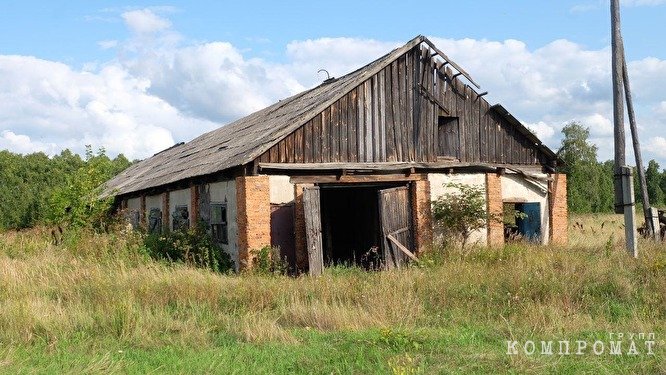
(530, 226)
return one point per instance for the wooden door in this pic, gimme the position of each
(312, 216)
(396, 223)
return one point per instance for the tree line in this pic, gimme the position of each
(38, 189)
(590, 182)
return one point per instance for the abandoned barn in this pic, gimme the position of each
(352, 165)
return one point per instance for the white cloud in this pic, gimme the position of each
(543, 131)
(23, 144)
(657, 145)
(145, 21)
(107, 44)
(162, 90)
(48, 100)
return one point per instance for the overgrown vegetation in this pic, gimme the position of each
(98, 303)
(193, 247)
(35, 189)
(459, 213)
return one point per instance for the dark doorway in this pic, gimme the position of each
(522, 221)
(282, 233)
(351, 230)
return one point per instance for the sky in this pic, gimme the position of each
(137, 77)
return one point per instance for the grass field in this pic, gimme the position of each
(96, 304)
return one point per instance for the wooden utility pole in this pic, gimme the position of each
(618, 104)
(647, 211)
(623, 182)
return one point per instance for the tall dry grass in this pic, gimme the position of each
(102, 286)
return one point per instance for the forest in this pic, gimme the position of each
(38, 189)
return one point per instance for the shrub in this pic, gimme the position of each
(267, 261)
(459, 213)
(194, 247)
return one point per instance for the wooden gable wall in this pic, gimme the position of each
(393, 117)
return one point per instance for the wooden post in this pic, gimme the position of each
(647, 212)
(618, 104)
(654, 218)
(629, 211)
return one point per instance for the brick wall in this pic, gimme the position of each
(495, 209)
(557, 202)
(254, 217)
(421, 214)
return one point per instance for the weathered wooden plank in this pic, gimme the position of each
(343, 121)
(335, 132)
(289, 148)
(381, 115)
(396, 110)
(483, 135)
(274, 154)
(433, 110)
(376, 138)
(367, 110)
(298, 145)
(399, 90)
(318, 140)
(307, 142)
(478, 127)
(402, 248)
(361, 124)
(312, 217)
(410, 75)
(352, 125)
(326, 135)
(462, 119)
(351, 179)
(390, 108)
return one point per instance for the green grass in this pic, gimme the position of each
(97, 304)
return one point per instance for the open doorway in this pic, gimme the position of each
(522, 221)
(351, 225)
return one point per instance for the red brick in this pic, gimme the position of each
(422, 214)
(495, 209)
(558, 213)
(253, 217)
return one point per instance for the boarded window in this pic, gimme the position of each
(448, 135)
(181, 218)
(134, 218)
(155, 220)
(218, 222)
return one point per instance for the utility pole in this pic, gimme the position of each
(623, 181)
(647, 211)
(618, 104)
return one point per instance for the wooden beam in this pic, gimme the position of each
(402, 248)
(354, 179)
(453, 64)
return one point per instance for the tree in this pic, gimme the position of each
(582, 169)
(653, 180)
(459, 213)
(78, 202)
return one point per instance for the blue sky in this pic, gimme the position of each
(136, 77)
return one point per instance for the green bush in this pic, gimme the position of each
(458, 214)
(194, 247)
(267, 261)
